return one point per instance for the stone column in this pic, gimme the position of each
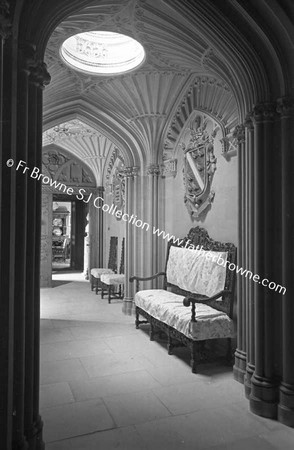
(286, 403)
(264, 392)
(240, 354)
(21, 144)
(7, 205)
(250, 341)
(38, 78)
(153, 172)
(130, 174)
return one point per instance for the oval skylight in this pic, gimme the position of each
(102, 52)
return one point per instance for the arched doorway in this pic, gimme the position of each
(63, 215)
(25, 30)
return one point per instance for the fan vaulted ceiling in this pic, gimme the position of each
(141, 109)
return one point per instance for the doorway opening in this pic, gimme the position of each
(61, 235)
(68, 233)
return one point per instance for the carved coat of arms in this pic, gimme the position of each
(199, 166)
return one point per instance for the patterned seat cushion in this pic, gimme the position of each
(113, 278)
(98, 272)
(197, 271)
(168, 308)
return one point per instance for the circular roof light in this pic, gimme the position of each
(102, 53)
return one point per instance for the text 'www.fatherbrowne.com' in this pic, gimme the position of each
(99, 202)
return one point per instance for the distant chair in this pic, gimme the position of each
(114, 283)
(111, 269)
(60, 248)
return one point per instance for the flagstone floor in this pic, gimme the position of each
(105, 386)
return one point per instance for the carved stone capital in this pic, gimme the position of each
(264, 112)
(285, 106)
(100, 190)
(248, 123)
(5, 22)
(36, 69)
(130, 172)
(239, 134)
(153, 169)
(39, 74)
(229, 146)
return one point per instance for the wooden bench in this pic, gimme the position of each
(191, 279)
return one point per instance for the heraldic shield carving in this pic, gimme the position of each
(199, 164)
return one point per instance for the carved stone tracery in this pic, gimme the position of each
(169, 168)
(65, 169)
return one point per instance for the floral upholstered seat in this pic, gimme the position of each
(168, 308)
(113, 278)
(100, 271)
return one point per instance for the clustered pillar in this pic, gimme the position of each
(21, 119)
(131, 187)
(264, 359)
(240, 354)
(153, 172)
(286, 402)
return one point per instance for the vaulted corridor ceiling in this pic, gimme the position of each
(141, 112)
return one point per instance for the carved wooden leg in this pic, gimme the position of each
(109, 294)
(151, 332)
(202, 351)
(229, 355)
(169, 345)
(193, 356)
(92, 283)
(137, 319)
(96, 286)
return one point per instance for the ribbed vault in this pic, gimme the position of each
(84, 142)
(193, 61)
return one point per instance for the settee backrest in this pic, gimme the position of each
(199, 238)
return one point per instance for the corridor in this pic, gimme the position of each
(105, 386)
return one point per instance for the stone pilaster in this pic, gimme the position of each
(7, 229)
(38, 79)
(21, 95)
(286, 403)
(264, 392)
(153, 172)
(240, 354)
(250, 182)
(131, 176)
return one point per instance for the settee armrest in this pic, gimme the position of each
(138, 279)
(201, 299)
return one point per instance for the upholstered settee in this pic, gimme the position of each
(196, 302)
